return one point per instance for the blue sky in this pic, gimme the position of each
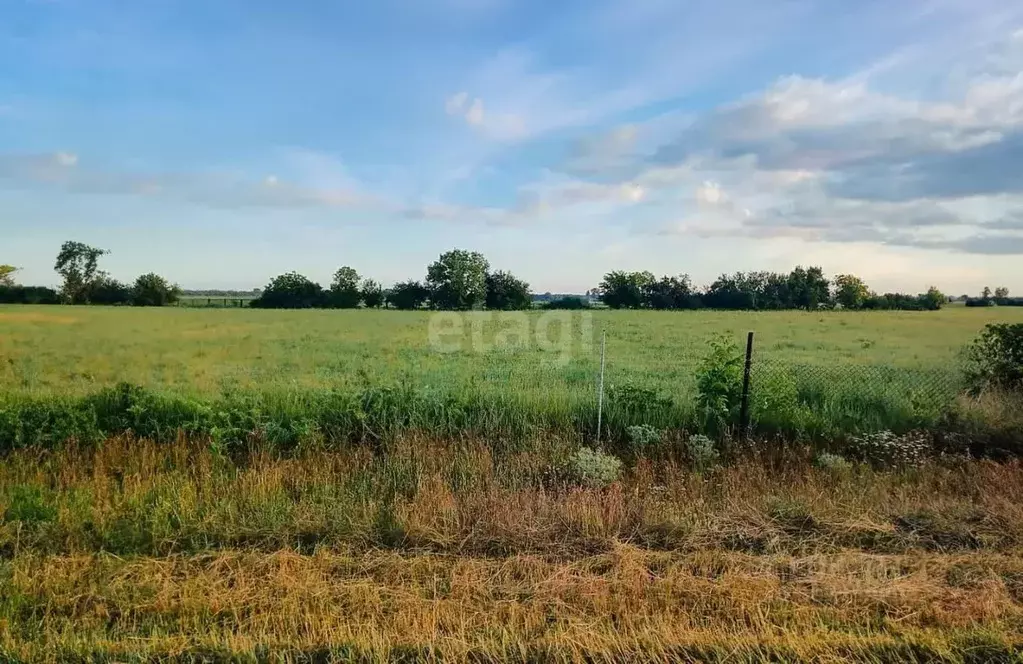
(221, 143)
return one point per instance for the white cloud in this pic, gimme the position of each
(66, 159)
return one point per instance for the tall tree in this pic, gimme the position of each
(933, 299)
(344, 290)
(1000, 292)
(372, 294)
(669, 293)
(809, 287)
(458, 280)
(7, 275)
(986, 293)
(78, 264)
(507, 293)
(850, 291)
(624, 290)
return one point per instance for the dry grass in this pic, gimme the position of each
(445, 552)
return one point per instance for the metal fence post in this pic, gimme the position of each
(600, 390)
(744, 408)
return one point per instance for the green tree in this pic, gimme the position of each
(506, 292)
(290, 291)
(458, 280)
(344, 290)
(78, 264)
(407, 295)
(7, 275)
(152, 290)
(933, 299)
(669, 293)
(1000, 293)
(850, 291)
(372, 293)
(105, 290)
(809, 288)
(986, 293)
(625, 290)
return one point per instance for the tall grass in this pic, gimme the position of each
(132, 550)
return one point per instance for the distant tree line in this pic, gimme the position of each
(999, 297)
(802, 288)
(85, 283)
(462, 280)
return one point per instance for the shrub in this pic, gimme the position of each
(152, 290)
(719, 384)
(996, 358)
(832, 462)
(702, 452)
(636, 400)
(507, 293)
(407, 295)
(108, 291)
(642, 437)
(886, 449)
(28, 295)
(290, 291)
(570, 302)
(593, 468)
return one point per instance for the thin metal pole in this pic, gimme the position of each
(744, 408)
(600, 391)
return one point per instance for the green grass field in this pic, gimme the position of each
(837, 371)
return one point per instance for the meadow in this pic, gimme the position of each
(345, 373)
(231, 485)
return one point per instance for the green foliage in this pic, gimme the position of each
(642, 438)
(933, 299)
(458, 280)
(702, 452)
(290, 291)
(570, 303)
(624, 290)
(850, 291)
(372, 294)
(28, 295)
(671, 293)
(505, 292)
(78, 264)
(835, 463)
(884, 449)
(407, 295)
(593, 468)
(104, 290)
(28, 505)
(809, 288)
(7, 275)
(996, 358)
(719, 384)
(344, 290)
(152, 290)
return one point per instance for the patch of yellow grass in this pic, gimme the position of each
(36, 317)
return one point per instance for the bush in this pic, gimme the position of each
(109, 291)
(571, 303)
(832, 462)
(642, 437)
(593, 468)
(152, 290)
(886, 449)
(702, 452)
(290, 291)
(407, 295)
(996, 358)
(28, 295)
(719, 385)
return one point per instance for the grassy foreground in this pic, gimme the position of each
(132, 550)
(292, 376)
